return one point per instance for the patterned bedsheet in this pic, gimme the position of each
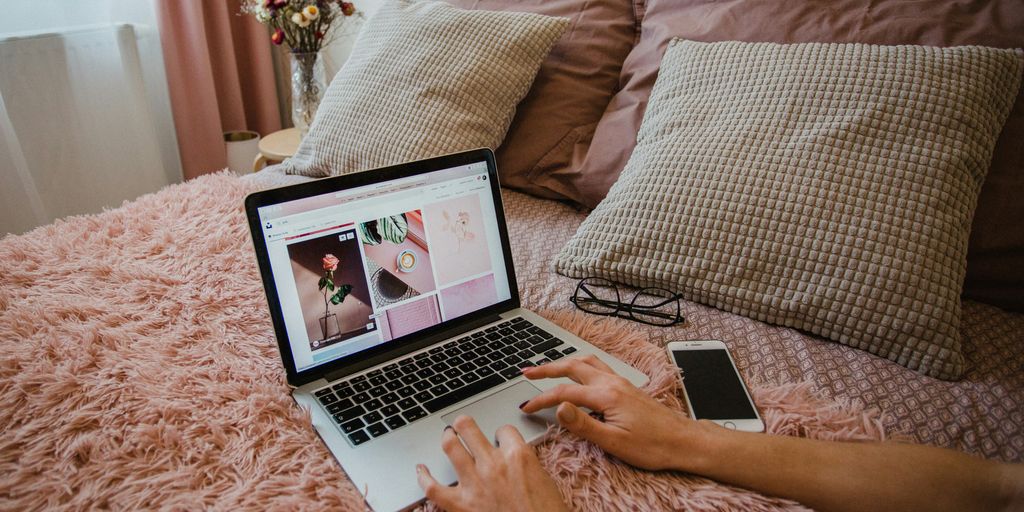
(982, 414)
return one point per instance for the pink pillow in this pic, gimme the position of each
(551, 131)
(995, 269)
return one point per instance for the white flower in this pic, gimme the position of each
(311, 12)
(300, 20)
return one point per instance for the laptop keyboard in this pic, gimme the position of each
(386, 399)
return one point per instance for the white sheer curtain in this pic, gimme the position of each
(85, 119)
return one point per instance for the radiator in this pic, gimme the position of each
(85, 122)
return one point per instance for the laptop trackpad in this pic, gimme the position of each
(502, 408)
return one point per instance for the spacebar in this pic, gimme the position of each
(463, 393)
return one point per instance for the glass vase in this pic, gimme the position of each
(308, 86)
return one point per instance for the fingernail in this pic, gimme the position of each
(447, 428)
(524, 369)
(523, 404)
(420, 468)
(567, 414)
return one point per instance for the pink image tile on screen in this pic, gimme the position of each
(413, 316)
(458, 242)
(470, 296)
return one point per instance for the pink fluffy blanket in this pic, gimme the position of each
(138, 370)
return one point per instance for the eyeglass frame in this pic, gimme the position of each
(621, 309)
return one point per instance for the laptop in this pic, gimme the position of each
(396, 309)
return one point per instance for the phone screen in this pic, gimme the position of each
(715, 390)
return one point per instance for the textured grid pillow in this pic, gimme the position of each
(826, 187)
(425, 79)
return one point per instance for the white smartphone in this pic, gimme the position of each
(713, 387)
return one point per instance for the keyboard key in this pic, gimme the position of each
(406, 403)
(452, 352)
(374, 373)
(360, 397)
(493, 336)
(421, 385)
(390, 398)
(321, 392)
(395, 422)
(421, 355)
(547, 345)
(512, 360)
(553, 354)
(506, 323)
(351, 426)
(519, 327)
(414, 414)
(409, 379)
(344, 392)
(494, 356)
(406, 392)
(435, 350)
(423, 396)
(470, 377)
(404, 362)
(390, 367)
(511, 372)
(442, 366)
(437, 358)
(521, 344)
(484, 371)
(569, 350)
(328, 399)
(467, 367)
(425, 373)
(361, 386)
(463, 393)
(378, 380)
(358, 437)
(451, 344)
(378, 391)
(390, 410)
(339, 406)
(525, 354)
(377, 429)
(491, 328)
(358, 378)
(349, 414)
(437, 379)
(519, 319)
(373, 417)
(506, 332)
(481, 361)
(455, 383)
(455, 361)
(373, 405)
(508, 350)
(393, 374)
(543, 360)
(479, 342)
(439, 390)
(393, 385)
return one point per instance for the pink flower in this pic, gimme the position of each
(280, 3)
(348, 8)
(330, 263)
(278, 37)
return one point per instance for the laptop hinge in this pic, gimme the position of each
(409, 348)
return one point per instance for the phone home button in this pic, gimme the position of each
(729, 425)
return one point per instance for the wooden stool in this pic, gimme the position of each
(276, 147)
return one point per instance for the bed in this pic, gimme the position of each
(139, 368)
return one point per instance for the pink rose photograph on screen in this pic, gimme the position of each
(456, 231)
(332, 287)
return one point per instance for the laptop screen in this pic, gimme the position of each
(365, 266)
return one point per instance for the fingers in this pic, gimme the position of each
(509, 437)
(470, 433)
(596, 362)
(573, 368)
(460, 458)
(591, 397)
(582, 424)
(443, 495)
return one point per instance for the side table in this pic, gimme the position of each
(276, 147)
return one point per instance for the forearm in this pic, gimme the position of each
(835, 476)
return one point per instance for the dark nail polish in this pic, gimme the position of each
(447, 428)
(523, 404)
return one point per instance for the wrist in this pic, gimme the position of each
(697, 445)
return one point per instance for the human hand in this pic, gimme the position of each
(506, 478)
(635, 428)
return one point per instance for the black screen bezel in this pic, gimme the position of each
(397, 346)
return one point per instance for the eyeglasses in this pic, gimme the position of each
(651, 306)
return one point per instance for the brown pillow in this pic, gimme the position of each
(995, 259)
(551, 131)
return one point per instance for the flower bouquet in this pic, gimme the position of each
(305, 26)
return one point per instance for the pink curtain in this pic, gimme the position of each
(220, 75)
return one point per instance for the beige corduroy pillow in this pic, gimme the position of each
(424, 79)
(826, 187)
